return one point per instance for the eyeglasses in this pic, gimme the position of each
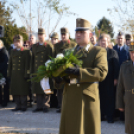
(25, 45)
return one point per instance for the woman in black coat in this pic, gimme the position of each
(107, 87)
(3, 71)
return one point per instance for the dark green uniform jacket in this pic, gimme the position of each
(125, 94)
(40, 54)
(81, 103)
(19, 71)
(61, 46)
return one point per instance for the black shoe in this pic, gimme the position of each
(45, 110)
(23, 109)
(37, 110)
(59, 110)
(103, 118)
(4, 104)
(110, 121)
(16, 109)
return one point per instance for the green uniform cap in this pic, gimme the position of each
(18, 38)
(128, 36)
(41, 31)
(64, 30)
(55, 35)
(131, 46)
(82, 25)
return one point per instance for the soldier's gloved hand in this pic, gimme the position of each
(73, 70)
(58, 79)
(66, 79)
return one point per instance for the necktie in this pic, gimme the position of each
(119, 49)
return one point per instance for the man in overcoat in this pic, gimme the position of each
(125, 91)
(41, 52)
(81, 104)
(19, 72)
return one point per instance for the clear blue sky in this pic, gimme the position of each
(92, 10)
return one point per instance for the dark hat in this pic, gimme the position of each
(82, 24)
(120, 34)
(128, 36)
(131, 46)
(18, 38)
(41, 31)
(55, 35)
(64, 30)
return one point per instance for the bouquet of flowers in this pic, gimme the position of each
(2, 80)
(56, 67)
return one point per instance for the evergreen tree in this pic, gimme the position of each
(105, 26)
(5, 14)
(10, 29)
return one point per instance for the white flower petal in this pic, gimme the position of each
(60, 55)
(47, 62)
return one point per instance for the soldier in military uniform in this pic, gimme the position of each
(64, 44)
(54, 38)
(128, 39)
(81, 104)
(19, 72)
(41, 52)
(125, 91)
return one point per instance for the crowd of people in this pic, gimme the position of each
(24, 57)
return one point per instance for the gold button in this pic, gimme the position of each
(19, 60)
(19, 57)
(13, 64)
(18, 69)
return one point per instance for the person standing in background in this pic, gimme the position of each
(53, 99)
(3, 70)
(125, 91)
(93, 39)
(128, 39)
(19, 72)
(122, 50)
(41, 52)
(32, 40)
(64, 44)
(106, 87)
(54, 38)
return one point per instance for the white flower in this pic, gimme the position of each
(47, 62)
(60, 55)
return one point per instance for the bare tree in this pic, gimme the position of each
(123, 15)
(41, 14)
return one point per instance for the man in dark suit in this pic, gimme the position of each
(121, 48)
(123, 54)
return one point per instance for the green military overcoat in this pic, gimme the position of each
(61, 46)
(125, 95)
(40, 54)
(81, 103)
(19, 71)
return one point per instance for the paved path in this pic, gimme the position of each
(40, 123)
